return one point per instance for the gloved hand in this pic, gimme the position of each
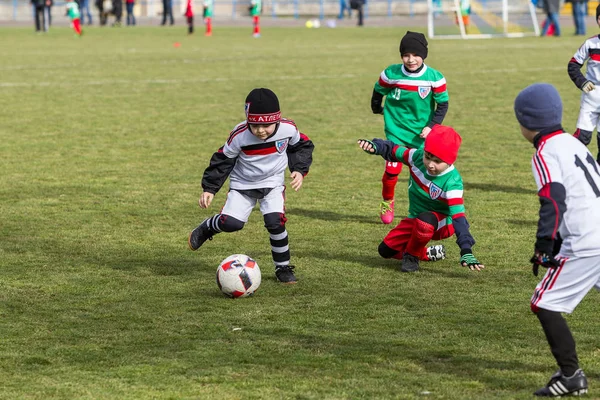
(367, 145)
(543, 259)
(588, 86)
(469, 260)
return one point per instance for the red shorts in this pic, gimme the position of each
(398, 238)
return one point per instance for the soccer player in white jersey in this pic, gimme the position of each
(589, 111)
(568, 234)
(255, 158)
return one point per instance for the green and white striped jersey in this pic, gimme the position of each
(410, 101)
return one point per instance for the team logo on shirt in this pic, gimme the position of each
(424, 91)
(281, 145)
(434, 191)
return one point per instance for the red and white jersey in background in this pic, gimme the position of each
(590, 51)
(260, 163)
(563, 159)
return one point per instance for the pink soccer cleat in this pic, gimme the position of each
(386, 211)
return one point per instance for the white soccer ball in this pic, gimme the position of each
(238, 276)
(316, 23)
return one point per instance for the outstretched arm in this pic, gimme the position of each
(384, 148)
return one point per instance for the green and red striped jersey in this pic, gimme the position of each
(442, 193)
(410, 102)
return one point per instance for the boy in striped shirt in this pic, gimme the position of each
(415, 100)
(436, 208)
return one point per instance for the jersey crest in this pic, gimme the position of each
(434, 191)
(281, 145)
(424, 91)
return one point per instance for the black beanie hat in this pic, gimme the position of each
(538, 107)
(415, 43)
(597, 12)
(262, 107)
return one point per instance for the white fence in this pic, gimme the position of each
(20, 10)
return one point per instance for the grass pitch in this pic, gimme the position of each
(103, 141)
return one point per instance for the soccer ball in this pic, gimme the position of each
(238, 276)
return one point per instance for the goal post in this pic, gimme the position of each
(481, 19)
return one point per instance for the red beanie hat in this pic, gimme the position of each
(443, 142)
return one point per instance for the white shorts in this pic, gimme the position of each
(589, 113)
(563, 288)
(239, 206)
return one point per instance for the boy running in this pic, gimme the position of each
(416, 100)
(436, 208)
(254, 158)
(73, 13)
(567, 239)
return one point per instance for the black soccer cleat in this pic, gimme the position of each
(285, 274)
(410, 263)
(561, 385)
(199, 235)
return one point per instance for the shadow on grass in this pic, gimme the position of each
(487, 187)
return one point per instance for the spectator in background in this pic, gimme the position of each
(255, 11)
(167, 12)
(579, 8)
(208, 14)
(189, 15)
(48, 11)
(358, 6)
(102, 16)
(117, 11)
(343, 7)
(551, 8)
(130, 16)
(85, 10)
(39, 16)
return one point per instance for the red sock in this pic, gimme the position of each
(421, 235)
(208, 25)
(77, 26)
(256, 22)
(389, 180)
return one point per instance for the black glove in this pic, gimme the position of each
(543, 255)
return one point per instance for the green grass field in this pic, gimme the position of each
(103, 141)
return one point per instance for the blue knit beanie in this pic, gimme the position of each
(539, 106)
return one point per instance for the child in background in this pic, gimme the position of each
(436, 208)
(73, 13)
(589, 109)
(208, 13)
(255, 158)
(567, 239)
(255, 10)
(189, 14)
(415, 100)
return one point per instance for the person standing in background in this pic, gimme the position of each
(579, 13)
(167, 12)
(130, 16)
(39, 16)
(208, 14)
(117, 10)
(551, 8)
(85, 11)
(48, 12)
(189, 15)
(255, 10)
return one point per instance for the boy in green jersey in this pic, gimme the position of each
(73, 13)
(415, 100)
(255, 10)
(208, 14)
(436, 208)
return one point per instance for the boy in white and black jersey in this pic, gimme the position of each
(255, 158)
(568, 239)
(589, 112)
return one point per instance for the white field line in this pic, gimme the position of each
(280, 78)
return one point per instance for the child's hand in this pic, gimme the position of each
(205, 199)
(297, 180)
(588, 87)
(425, 132)
(469, 260)
(367, 145)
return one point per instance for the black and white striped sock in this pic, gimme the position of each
(280, 249)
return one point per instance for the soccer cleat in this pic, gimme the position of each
(285, 274)
(199, 235)
(386, 211)
(561, 385)
(410, 263)
(436, 253)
